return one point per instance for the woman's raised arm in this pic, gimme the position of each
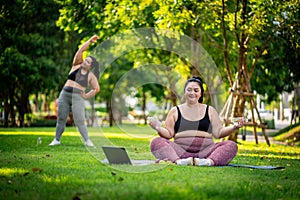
(78, 59)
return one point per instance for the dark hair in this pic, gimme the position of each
(95, 67)
(199, 81)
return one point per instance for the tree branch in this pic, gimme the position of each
(225, 50)
(210, 38)
(235, 22)
(259, 53)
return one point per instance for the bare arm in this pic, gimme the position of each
(218, 130)
(95, 87)
(78, 58)
(167, 131)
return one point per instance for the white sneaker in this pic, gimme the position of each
(202, 162)
(89, 143)
(186, 161)
(54, 142)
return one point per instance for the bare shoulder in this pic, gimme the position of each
(212, 111)
(173, 110)
(173, 113)
(171, 117)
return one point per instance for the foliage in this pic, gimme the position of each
(83, 17)
(278, 69)
(69, 171)
(211, 23)
(39, 38)
(28, 51)
(262, 23)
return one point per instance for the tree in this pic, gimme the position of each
(123, 15)
(237, 34)
(29, 46)
(280, 63)
(241, 30)
(117, 17)
(252, 22)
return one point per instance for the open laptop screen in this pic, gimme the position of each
(116, 155)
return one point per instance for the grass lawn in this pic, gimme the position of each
(72, 171)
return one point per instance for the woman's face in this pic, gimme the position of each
(87, 63)
(192, 92)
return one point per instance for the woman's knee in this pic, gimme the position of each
(157, 143)
(79, 122)
(232, 145)
(79, 117)
(62, 117)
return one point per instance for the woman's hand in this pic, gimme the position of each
(239, 123)
(154, 123)
(78, 58)
(83, 95)
(94, 38)
(226, 131)
(90, 94)
(162, 131)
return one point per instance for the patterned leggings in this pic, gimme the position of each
(221, 153)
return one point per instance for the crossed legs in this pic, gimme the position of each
(220, 153)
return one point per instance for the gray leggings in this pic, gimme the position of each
(68, 102)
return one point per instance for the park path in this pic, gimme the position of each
(278, 126)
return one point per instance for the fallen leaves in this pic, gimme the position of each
(120, 179)
(279, 187)
(36, 170)
(113, 173)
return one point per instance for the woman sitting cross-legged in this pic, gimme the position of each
(193, 126)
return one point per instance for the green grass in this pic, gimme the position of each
(287, 129)
(72, 171)
(290, 135)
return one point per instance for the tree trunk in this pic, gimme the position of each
(172, 97)
(6, 112)
(12, 110)
(238, 107)
(239, 100)
(110, 114)
(144, 106)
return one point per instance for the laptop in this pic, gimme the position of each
(119, 155)
(116, 155)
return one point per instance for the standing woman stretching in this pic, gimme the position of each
(83, 73)
(193, 125)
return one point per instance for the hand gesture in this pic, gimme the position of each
(154, 123)
(94, 38)
(239, 122)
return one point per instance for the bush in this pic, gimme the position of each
(43, 123)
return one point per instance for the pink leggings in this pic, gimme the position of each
(221, 153)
